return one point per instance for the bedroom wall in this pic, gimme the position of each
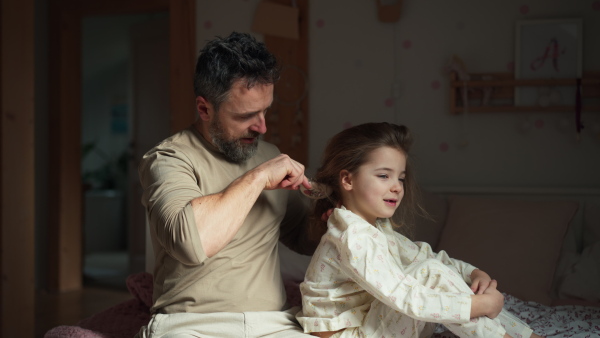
(355, 60)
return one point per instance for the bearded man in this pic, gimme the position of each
(219, 200)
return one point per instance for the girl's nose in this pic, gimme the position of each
(397, 187)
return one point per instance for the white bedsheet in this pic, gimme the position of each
(571, 321)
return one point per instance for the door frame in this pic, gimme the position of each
(65, 196)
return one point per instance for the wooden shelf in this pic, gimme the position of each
(503, 91)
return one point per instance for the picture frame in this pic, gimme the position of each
(547, 49)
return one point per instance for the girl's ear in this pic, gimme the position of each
(346, 180)
(203, 107)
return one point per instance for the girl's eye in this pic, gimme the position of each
(402, 180)
(382, 176)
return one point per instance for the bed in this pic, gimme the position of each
(542, 245)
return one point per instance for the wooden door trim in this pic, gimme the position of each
(17, 172)
(64, 266)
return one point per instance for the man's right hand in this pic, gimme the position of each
(282, 172)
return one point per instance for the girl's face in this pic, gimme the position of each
(376, 189)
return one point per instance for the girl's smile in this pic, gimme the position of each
(391, 202)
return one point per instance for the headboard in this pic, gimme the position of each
(564, 223)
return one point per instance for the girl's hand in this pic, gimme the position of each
(495, 300)
(480, 281)
(489, 303)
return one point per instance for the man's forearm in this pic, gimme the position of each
(219, 216)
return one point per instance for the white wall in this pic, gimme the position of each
(355, 59)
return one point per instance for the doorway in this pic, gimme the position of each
(64, 265)
(125, 74)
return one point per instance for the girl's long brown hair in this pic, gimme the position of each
(350, 149)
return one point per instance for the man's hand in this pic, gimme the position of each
(480, 281)
(282, 172)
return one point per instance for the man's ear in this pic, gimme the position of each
(203, 107)
(346, 180)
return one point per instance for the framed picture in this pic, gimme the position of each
(547, 49)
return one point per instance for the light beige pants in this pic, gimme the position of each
(271, 324)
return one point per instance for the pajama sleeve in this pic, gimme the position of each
(364, 256)
(415, 252)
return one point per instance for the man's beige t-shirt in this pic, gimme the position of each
(245, 275)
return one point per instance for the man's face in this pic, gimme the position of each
(236, 128)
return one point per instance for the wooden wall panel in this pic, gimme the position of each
(65, 234)
(182, 56)
(287, 121)
(17, 227)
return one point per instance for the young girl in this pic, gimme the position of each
(367, 280)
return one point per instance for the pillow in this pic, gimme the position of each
(141, 286)
(583, 281)
(517, 242)
(592, 224)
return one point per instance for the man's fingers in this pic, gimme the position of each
(295, 174)
(286, 183)
(295, 184)
(285, 173)
(306, 182)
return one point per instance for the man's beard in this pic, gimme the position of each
(234, 150)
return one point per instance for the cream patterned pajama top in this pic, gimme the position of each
(357, 264)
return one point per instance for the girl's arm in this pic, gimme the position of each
(418, 251)
(405, 294)
(364, 257)
(478, 279)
